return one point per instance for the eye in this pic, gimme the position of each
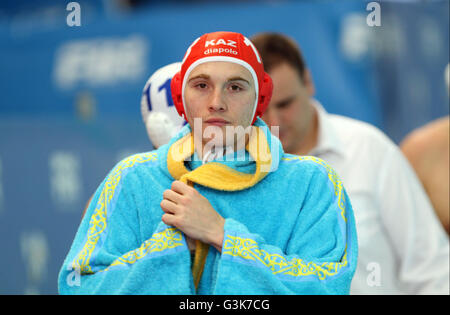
(201, 85)
(236, 88)
(285, 104)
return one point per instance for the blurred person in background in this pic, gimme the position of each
(427, 149)
(270, 223)
(402, 247)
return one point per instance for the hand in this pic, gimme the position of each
(186, 209)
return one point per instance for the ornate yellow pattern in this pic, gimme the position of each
(332, 175)
(167, 239)
(248, 249)
(98, 222)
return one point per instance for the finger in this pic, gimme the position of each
(168, 206)
(180, 187)
(169, 219)
(172, 196)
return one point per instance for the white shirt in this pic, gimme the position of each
(403, 248)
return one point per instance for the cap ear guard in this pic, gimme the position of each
(175, 88)
(265, 94)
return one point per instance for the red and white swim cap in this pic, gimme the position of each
(228, 47)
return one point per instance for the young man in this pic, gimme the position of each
(402, 247)
(211, 215)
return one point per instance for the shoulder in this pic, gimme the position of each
(319, 175)
(428, 145)
(308, 164)
(434, 135)
(358, 130)
(137, 160)
(136, 163)
(362, 141)
(302, 160)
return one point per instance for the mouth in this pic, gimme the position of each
(217, 122)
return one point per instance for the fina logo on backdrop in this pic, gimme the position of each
(98, 61)
(103, 61)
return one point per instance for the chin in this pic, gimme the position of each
(286, 145)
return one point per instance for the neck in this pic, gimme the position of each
(214, 153)
(210, 149)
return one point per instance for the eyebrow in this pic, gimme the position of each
(205, 76)
(239, 79)
(200, 76)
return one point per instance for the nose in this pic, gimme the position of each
(217, 102)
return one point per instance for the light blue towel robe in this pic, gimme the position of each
(291, 233)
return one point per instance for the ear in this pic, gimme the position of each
(308, 83)
(175, 89)
(265, 94)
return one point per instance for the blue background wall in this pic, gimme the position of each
(70, 96)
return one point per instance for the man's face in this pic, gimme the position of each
(290, 107)
(221, 94)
